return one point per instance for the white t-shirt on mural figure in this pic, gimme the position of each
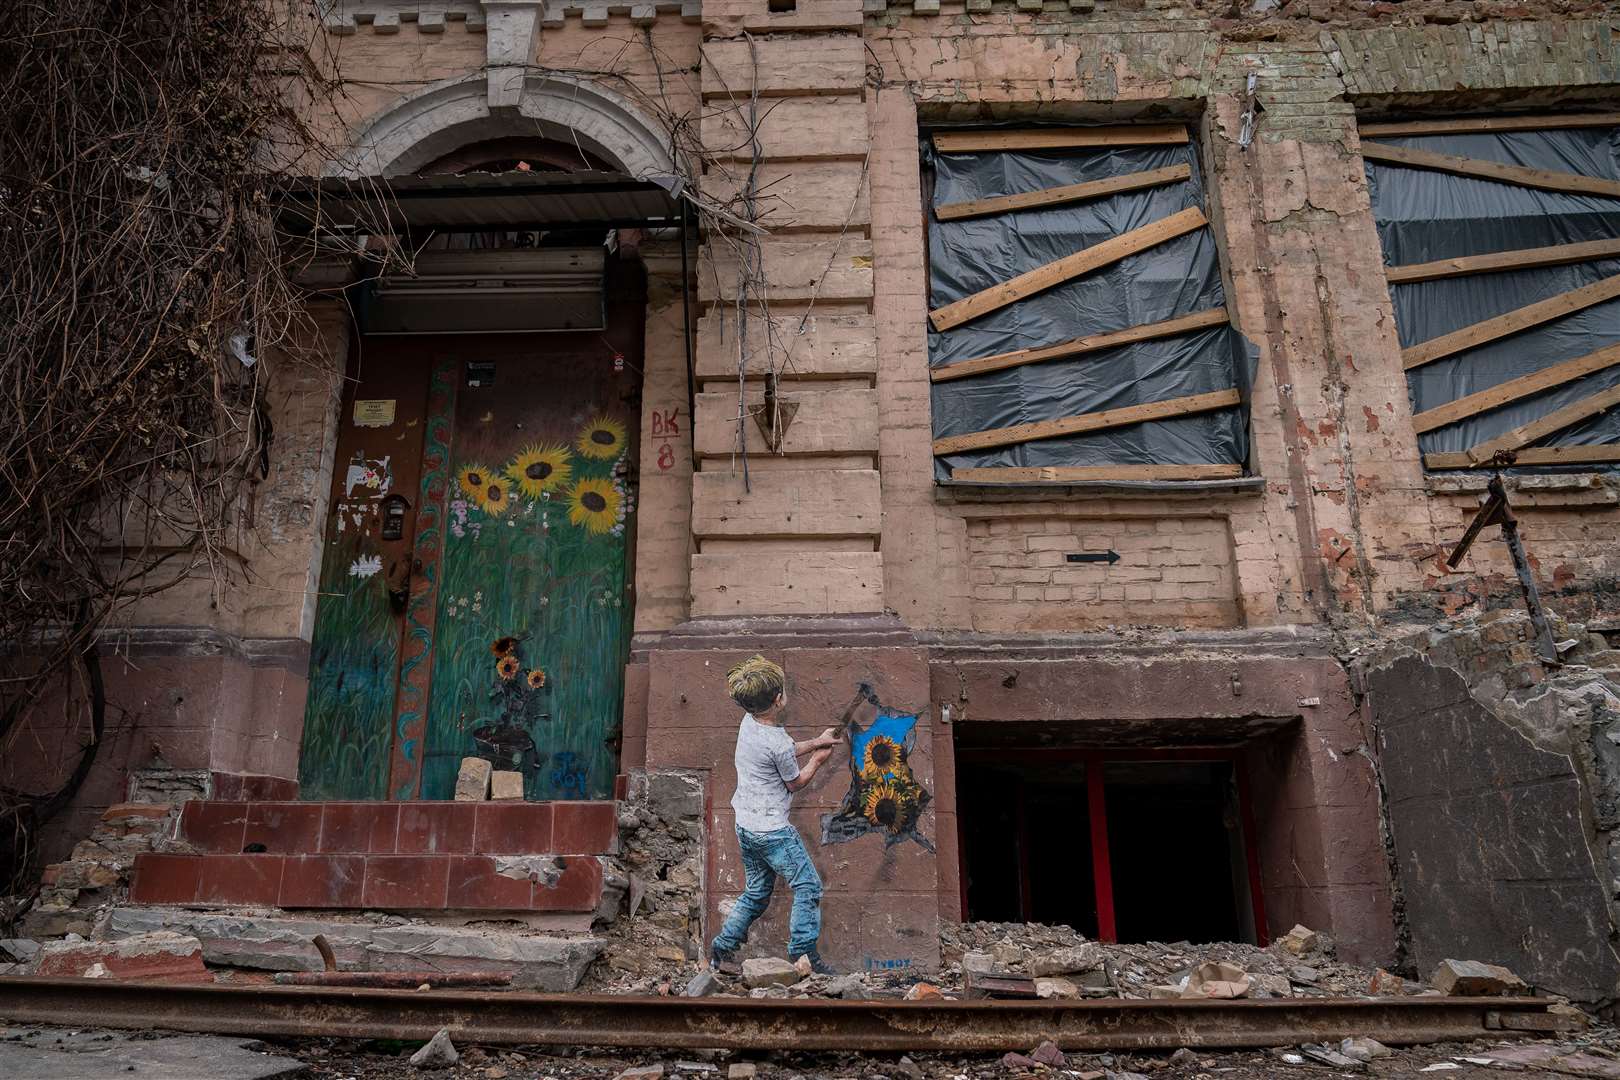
(765, 765)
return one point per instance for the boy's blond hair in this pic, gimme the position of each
(755, 683)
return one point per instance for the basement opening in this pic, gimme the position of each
(1127, 845)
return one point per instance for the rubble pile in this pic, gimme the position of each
(655, 938)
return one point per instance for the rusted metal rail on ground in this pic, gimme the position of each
(514, 1018)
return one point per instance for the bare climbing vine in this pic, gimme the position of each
(146, 288)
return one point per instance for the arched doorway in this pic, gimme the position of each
(475, 594)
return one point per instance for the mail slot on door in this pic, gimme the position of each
(393, 517)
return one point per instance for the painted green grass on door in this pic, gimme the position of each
(349, 720)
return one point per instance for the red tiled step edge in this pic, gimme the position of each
(388, 882)
(401, 828)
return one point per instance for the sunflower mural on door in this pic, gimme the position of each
(883, 797)
(528, 650)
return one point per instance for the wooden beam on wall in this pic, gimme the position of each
(1058, 196)
(1068, 474)
(1536, 455)
(1070, 266)
(1181, 324)
(1496, 396)
(1557, 420)
(1519, 259)
(1095, 421)
(1510, 323)
(1490, 123)
(1490, 170)
(1057, 138)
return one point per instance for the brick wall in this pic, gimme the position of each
(1171, 571)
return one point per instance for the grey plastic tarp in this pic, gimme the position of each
(1175, 278)
(1423, 215)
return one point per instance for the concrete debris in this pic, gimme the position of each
(644, 1072)
(804, 967)
(1361, 1048)
(925, 992)
(742, 1070)
(18, 950)
(1306, 976)
(1325, 1055)
(853, 986)
(505, 785)
(472, 781)
(769, 971)
(1301, 940)
(701, 985)
(1470, 978)
(1064, 961)
(1049, 1055)
(160, 955)
(1217, 980)
(1056, 989)
(63, 1054)
(439, 1053)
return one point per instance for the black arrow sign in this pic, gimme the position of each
(1110, 556)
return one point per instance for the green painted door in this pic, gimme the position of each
(530, 639)
(498, 626)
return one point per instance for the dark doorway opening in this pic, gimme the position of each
(1126, 845)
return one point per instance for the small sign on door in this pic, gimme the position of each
(378, 412)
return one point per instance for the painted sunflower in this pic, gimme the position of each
(596, 504)
(541, 468)
(537, 679)
(885, 806)
(503, 646)
(508, 668)
(473, 479)
(882, 757)
(602, 438)
(496, 497)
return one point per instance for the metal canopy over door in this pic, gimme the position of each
(508, 636)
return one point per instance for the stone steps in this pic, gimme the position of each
(544, 858)
(549, 962)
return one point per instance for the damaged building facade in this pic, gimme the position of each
(1079, 398)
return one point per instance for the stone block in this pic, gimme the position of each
(770, 971)
(550, 964)
(1471, 978)
(503, 785)
(824, 422)
(826, 270)
(798, 347)
(797, 196)
(773, 581)
(818, 503)
(791, 128)
(157, 955)
(783, 67)
(472, 782)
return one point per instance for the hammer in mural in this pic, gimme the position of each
(884, 796)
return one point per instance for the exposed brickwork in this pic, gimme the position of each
(1175, 571)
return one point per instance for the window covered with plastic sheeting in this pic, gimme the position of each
(1501, 241)
(1078, 326)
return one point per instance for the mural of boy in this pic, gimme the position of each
(768, 773)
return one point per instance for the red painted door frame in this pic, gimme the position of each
(1097, 806)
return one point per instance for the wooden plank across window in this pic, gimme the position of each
(1490, 170)
(1181, 324)
(1059, 196)
(1095, 421)
(1057, 138)
(1510, 323)
(1070, 266)
(1557, 420)
(1459, 126)
(1518, 259)
(1536, 455)
(1514, 389)
(1068, 474)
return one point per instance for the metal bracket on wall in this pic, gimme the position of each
(1496, 511)
(775, 416)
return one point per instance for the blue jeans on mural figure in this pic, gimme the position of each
(766, 857)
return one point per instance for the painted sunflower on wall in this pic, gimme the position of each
(497, 497)
(541, 468)
(884, 796)
(603, 438)
(473, 480)
(596, 504)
